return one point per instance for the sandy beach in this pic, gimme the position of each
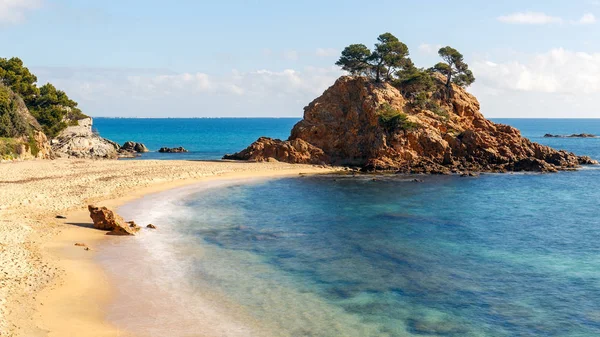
(49, 286)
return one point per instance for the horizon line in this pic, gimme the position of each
(275, 117)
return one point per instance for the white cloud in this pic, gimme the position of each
(556, 83)
(586, 19)
(152, 93)
(326, 52)
(556, 71)
(426, 48)
(13, 11)
(529, 18)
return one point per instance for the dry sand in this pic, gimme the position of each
(49, 286)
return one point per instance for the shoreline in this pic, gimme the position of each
(71, 289)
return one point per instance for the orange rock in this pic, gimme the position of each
(341, 127)
(106, 219)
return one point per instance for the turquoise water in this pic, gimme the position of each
(497, 255)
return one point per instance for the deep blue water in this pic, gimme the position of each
(496, 255)
(211, 138)
(205, 138)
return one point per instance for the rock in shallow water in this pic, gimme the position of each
(172, 150)
(106, 219)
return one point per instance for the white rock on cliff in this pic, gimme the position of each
(78, 141)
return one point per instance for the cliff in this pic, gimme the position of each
(21, 135)
(78, 141)
(358, 122)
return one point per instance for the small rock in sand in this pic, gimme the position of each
(61, 217)
(151, 226)
(80, 244)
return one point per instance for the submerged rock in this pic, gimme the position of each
(151, 226)
(172, 149)
(343, 127)
(575, 135)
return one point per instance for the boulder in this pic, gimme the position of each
(134, 147)
(345, 127)
(105, 219)
(179, 149)
(127, 228)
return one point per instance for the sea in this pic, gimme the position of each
(495, 255)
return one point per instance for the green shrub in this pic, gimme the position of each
(33, 146)
(437, 109)
(53, 109)
(393, 120)
(7, 148)
(12, 124)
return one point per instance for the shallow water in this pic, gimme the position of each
(497, 255)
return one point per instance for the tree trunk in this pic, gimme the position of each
(448, 83)
(378, 76)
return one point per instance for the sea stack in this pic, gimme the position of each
(361, 122)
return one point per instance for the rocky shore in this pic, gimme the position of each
(345, 127)
(79, 141)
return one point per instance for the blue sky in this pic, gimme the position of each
(270, 58)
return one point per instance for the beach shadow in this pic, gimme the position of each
(81, 224)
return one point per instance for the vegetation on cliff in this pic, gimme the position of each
(52, 108)
(389, 61)
(12, 124)
(17, 127)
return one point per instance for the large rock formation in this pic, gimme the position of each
(78, 141)
(344, 127)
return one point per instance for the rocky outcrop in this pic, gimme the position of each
(293, 151)
(172, 150)
(344, 126)
(575, 135)
(134, 147)
(33, 146)
(78, 141)
(106, 219)
(131, 150)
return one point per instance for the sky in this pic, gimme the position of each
(180, 58)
